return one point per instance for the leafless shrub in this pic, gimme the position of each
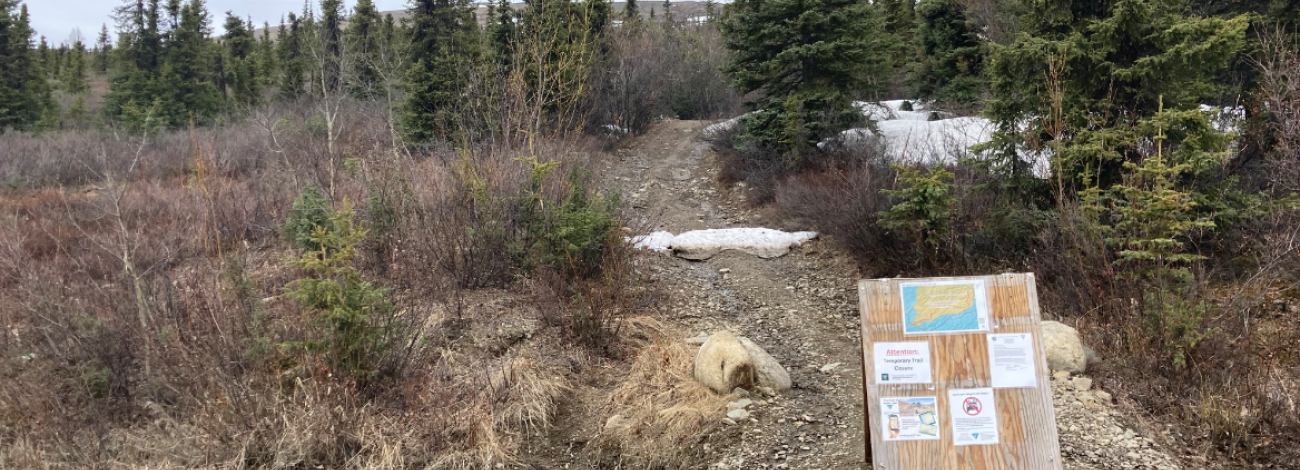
(1279, 68)
(652, 71)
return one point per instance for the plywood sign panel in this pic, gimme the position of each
(959, 417)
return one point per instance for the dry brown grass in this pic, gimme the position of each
(180, 361)
(664, 414)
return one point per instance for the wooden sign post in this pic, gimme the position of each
(955, 376)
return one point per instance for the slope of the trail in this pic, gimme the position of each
(801, 308)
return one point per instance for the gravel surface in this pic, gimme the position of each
(802, 308)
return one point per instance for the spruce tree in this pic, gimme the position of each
(502, 31)
(803, 60)
(135, 84)
(330, 43)
(1111, 62)
(899, 21)
(45, 59)
(24, 96)
(668, 13)
(240, 61)
(950, 61)
(631, 13)
(363, 40)
(598, 15)
(293, 63)
(74, 73)
(103, 50)
(188, 79)
(442, 43)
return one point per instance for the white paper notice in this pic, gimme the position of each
(902, 363)
(909, 418)
(1011, 358)
(974, 416)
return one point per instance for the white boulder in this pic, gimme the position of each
(1063, 348)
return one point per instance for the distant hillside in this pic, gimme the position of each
(681, 11)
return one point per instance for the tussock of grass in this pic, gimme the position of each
(664, 413)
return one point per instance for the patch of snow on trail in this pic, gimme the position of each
(657, 241)
(720, 128)
(703, 244)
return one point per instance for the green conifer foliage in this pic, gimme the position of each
(171, 70)
(240, 62)
(74, 73)
(363, 40)
(950, 63)
(24, 95)
(103, 50)
(1112, 61)
(187, 76)
(502, 32)
(267, 65)
(443, 45)
(331, 43)
(293, 62)
(631, 13)
(817, 52)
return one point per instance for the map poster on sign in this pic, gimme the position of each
(902, 363)
(974, 416)
(909, 418)
(931, 307)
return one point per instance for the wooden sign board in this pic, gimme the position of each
(955, 376)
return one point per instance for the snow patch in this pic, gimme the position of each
(704, 244)
(1225, 119)
(715, 130)
(910, 137)
(615, 129)
(658, 241)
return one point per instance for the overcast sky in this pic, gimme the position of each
(56, 19)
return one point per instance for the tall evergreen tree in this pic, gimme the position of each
(45, 59)
(363, 39)
(442, 43)
(1111, 63)
(502, 32)
(267, 70)
(24, 95)
(598, 14)
(804, 60)
(899, 21)
(630, 12)
(668, 12)
(950, 56)
(293, 63)
(74, 73)
(331, 44)
(241, 61)
(188, 77)
(103, 50)
(135, 84)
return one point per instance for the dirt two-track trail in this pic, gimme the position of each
(801, 307)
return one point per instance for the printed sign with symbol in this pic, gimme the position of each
(974, 416)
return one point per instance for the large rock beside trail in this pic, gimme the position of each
(1063, 348)
(767, 371)
(723, 364)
